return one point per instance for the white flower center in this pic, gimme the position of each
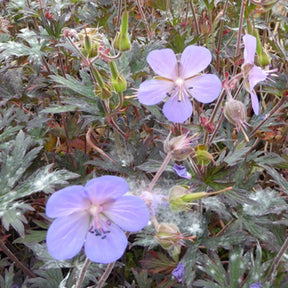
(179, 82)
(94, 210)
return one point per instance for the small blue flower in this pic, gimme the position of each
(256, 285)
(94, 216)
(181, 171)
(178, 272)
(179, 81)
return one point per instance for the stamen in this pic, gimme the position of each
(180, 95)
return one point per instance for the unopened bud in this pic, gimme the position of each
(90, 40)
(179, 147)
(119, 83)
(203, 156)
(102, 92)
(170, 238)
(180, 198)
(122, 41)
(235, 112)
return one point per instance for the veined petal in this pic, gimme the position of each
(108, 247)
(255, 102)
(106, 188)
(128, 212)
(154, 91)
(178, 111)
(67, 201)
(194, 59)
(250, 43)
(256, 75)
(164, 63)
(66, 235)
(204, 88)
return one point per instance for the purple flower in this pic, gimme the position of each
(252, 73)
(181, 171)
(178, 272)
(94, 215)
(178, 81)
(256, 285)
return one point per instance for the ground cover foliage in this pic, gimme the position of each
(69, 77)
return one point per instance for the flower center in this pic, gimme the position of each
(97, 228)
(94, 210)
(179, 82)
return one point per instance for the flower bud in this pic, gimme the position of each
(102, 91)
(170, 238)
(179, 146)
(168, 235)
(175, 197)
(119, 83)
(122, 41)
(202, 155)
(180, 198)
(90, 40)
(235, 112)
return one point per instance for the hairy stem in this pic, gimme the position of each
(105, 275)
(160, 171)
(81, 276)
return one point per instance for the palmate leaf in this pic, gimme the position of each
(244, 269)
(17, 159)
(75, 85)
(16, 49)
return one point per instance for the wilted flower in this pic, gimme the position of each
(178, 272)
(252, 73)
(179, 81)
(181, 171)
(94, 215)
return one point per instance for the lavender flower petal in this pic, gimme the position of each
(66, 235)
(204, 88)
(250, 43)
(181, 171)
(194, 59)
(256, 75)
(256, 285)
(178, 111)
(105, 188)
(67, 201)
(179, 271)
(128, 212)
(255, 102)
(108, 247)
(151, 92)
(164, 63)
